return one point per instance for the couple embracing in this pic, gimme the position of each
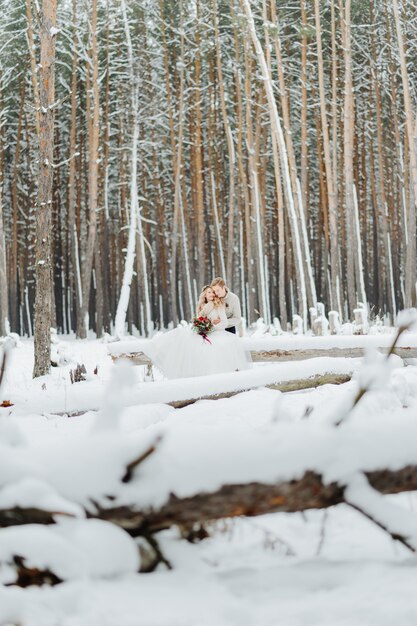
(220, 305)
(181, 353)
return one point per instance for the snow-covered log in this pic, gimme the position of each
(87, 395)
(259, 356)
(251, 499)
(230, 500)
(296, 384)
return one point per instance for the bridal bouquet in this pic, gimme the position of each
(203, 326)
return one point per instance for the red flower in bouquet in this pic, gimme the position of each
(202, 326)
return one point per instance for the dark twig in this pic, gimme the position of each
(160, 558)
(395, 536)
(3, 365)
(322, 532)
(136, 462)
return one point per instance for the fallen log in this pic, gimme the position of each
(284, 386)
(301, 355)
(87, 395)
(192, 513)
(273, 356)
(289, 348)
(251, 499)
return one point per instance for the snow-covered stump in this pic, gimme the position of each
(334, 323)
(297, 325)
(361, 323)
(276, 327)
(320, 325)
(313, 315)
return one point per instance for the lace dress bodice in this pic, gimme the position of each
(214, 313)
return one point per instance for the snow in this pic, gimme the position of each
(71, 549)
(30, 492)
(407, 319)
(317, 568)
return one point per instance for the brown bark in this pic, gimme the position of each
(383, 261)
(352, 287)
(248, 260)
(42, 337)
(230, 150)
(304, 177)
(330, 179)
(198, 159)
(72, 196)
(411, 129)
(32, 56)
(14, 269)
(93, 143)
(4, 301)
(236, 500)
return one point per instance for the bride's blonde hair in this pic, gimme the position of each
(202, 300)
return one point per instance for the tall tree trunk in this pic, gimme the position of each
(72, 191)
(304, 101)
(14, 278)
(385, 264)
(246, 238)
(348, 163)
(411, 128)
(124, 297)
(42, 334)
(334, 260)
(93, 109)
(4, 299)
(198, 159)
(34, 74)
(230, 150)
(178, 207)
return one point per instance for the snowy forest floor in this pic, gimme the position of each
(315, 568)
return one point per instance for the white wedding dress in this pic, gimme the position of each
(182, 353)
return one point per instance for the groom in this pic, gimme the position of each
(231, 302)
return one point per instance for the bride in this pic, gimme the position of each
(182, 353)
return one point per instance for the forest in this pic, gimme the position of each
(173, 454)
(271, 142)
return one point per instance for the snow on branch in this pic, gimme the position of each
(398, 522)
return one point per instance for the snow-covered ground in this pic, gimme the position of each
(315, 568)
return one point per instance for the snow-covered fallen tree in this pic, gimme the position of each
(88, 395)
(290, 347)
(185, 475)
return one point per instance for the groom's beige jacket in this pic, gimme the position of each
(233, 312)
